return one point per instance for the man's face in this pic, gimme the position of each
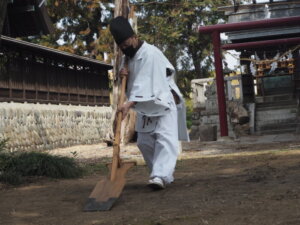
(127, 43)
(128, 46)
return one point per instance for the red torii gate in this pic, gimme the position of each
(215, 31)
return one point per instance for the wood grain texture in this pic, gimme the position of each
(3, 9)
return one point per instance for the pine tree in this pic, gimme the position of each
(172, 26)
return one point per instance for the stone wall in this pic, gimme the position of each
(45, 126)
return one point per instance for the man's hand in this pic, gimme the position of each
(123, 72)
(125, 108)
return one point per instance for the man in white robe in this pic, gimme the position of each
(153, 94)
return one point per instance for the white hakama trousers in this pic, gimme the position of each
(160, 147)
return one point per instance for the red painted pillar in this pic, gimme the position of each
(220, 83)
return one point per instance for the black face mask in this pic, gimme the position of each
(129, 51)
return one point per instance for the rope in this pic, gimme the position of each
(269, 60)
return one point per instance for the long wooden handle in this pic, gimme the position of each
(116, 145)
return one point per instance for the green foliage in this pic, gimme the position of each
(4, 159)
(11, 177)
(43, 164)
(80, 25)
(172, 25)
(14, 167)
(3, 144)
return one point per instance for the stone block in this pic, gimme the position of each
(211, 105)
(208, 132)
(194, 133)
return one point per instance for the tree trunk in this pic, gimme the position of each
(128, 124)
(197, 65)
(129, 127)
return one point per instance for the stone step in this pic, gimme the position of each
(276, 105)
(277, 120)
(278, 126)
(278, 131)
(276, 115)
(282, 131)
(275, 98)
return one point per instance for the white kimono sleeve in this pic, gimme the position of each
(149, 86)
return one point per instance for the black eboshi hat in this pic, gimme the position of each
(120, 29)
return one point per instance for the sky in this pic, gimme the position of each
(233, 62)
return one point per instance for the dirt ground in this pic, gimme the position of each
(217, 183)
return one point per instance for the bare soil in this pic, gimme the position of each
(218, 183)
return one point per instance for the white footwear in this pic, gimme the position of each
(156, 183)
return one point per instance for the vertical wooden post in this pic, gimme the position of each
(68, 81)
(47, 62)
(36, 74)
(77, 84)
(10, 84)
(3, 8)
(86, 89)
(23, 75)
(93, 85)
(220, 83)
(57, 72)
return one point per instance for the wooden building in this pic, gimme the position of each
(33, 73)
